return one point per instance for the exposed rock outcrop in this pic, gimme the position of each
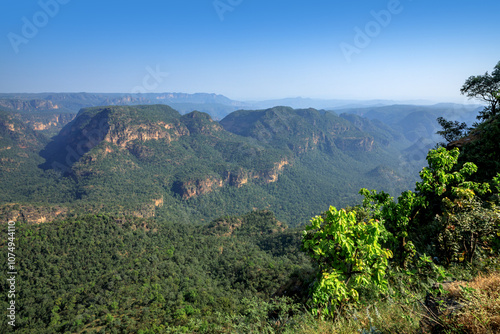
(42, 122)
(271, 175)
(123, 134)
(32, 214)
(242, 177)
(197, 187)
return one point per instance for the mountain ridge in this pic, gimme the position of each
(150, 160)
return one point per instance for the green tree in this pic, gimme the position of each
(445, 187)
(349, 256)
(468, 228)
(445, 217)
(485, 88)
(398, 218)
(452, 130)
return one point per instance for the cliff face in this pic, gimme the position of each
(15, 134)
(256, 223)
(201, 186)
(48, 122)
(31, 214)
(125, 130)
(121, 130)
(237, 179)
(192, 188)
(191, 154)
(123, 135)
(271, 175)
(147, 160)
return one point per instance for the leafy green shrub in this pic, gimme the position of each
(445, 217)
(397, 217)
(349, 257)
(468, 229)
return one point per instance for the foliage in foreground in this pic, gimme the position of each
(349, 256)
(449, 217)
(448, 220)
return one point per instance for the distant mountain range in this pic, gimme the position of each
(73, 102)
(417, 119)
(218, 106)
(168, 154)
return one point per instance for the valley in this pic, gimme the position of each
(197, 225)
(154, 161)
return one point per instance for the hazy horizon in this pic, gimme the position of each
(250, 50)
(339, 103)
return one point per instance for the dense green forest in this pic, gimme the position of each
(152, 161)
(239, 274)
(133, 275)
(137, 219)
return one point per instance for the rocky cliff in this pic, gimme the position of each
(50, 123)
(31, 214)
(192, 154)
(150, 159)
(193, 187)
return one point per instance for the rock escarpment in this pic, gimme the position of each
(192, 154)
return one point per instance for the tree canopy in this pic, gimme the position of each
(485, 88)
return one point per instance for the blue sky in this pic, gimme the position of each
(249, 49)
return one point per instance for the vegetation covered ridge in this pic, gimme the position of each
(152, 161)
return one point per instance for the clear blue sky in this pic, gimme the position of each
(261, 49)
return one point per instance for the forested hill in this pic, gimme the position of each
(415, 121)
(152, 161)
(302, 130)
(114, 272)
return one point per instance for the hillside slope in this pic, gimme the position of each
(153, 161)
